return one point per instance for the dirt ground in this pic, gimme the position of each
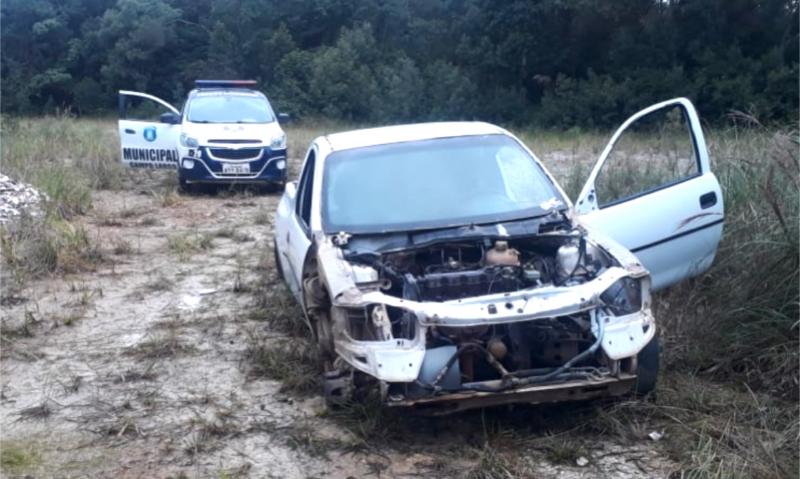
(141, 369)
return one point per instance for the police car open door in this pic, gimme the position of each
(149, 131)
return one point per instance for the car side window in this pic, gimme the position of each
(655, 152)
(303, 204)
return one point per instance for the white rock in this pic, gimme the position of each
(16, 197)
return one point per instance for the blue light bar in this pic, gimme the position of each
(224, 83)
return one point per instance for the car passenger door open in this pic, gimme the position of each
(149, 131)
(652, 190)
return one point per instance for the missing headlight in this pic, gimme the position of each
(624, 296)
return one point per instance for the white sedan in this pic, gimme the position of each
(443, 263)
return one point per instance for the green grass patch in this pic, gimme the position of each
(17, 458)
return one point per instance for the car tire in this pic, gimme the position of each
(278, 267)
(274, 187)
(184, 185)
(647, 363)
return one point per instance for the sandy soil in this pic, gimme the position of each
(138, 370)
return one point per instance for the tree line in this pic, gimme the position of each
(559, 63)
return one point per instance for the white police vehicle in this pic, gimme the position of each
(226, 132)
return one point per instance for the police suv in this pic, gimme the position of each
(226, 132)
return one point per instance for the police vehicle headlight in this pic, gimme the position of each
(281, 164)
(188, 141)
(188, 164)
(279, 142)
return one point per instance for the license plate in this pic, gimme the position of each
(236, 169)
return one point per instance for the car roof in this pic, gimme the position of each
(413, 132)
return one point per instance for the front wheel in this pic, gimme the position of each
(184, 185)
(647, 363)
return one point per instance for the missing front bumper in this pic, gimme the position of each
(577, 390)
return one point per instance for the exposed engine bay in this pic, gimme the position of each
(453, 271)
(492, 357)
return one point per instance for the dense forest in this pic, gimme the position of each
(558, 63)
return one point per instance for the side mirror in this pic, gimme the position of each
(290, 190)
(170, 118)
(284, 118)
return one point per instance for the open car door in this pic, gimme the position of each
(652, 190)
(149, 131)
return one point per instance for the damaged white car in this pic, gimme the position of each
(442, 262)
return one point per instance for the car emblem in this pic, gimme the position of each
(150, 133)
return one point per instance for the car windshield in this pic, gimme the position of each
(433, 184)
(230, 109)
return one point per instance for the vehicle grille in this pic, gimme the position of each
(233, 154)
(234, 141)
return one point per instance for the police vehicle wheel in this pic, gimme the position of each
(647, 367)
(184, 185)
(274, 187)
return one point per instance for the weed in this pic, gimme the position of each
(160, 282)
(225, 232)
(186, 244)
(262, 217)
(110, 222)
(40, 411)
(303, 434)
(71, 319)
(243, 237)
(493, 465)
(128, 213)
(24, 330)
(35, 246)
(166, 198)
(121, 246)
(132, 375)
(564, 450)
(295, 363)
(149, 221)
(17, 458)
(161, 345)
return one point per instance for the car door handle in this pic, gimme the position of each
(708, 200)
(129, 131)
(288, 239)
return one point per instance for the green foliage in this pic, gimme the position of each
(553, 62)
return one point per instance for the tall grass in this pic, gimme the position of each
(63, 157)
(729, 388)
(739, 322)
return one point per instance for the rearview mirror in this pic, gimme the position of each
(170, 118)
(284, 118)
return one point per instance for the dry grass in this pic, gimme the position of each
(161, 345)
(33, 247)
(295, 363)
(186, 244)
